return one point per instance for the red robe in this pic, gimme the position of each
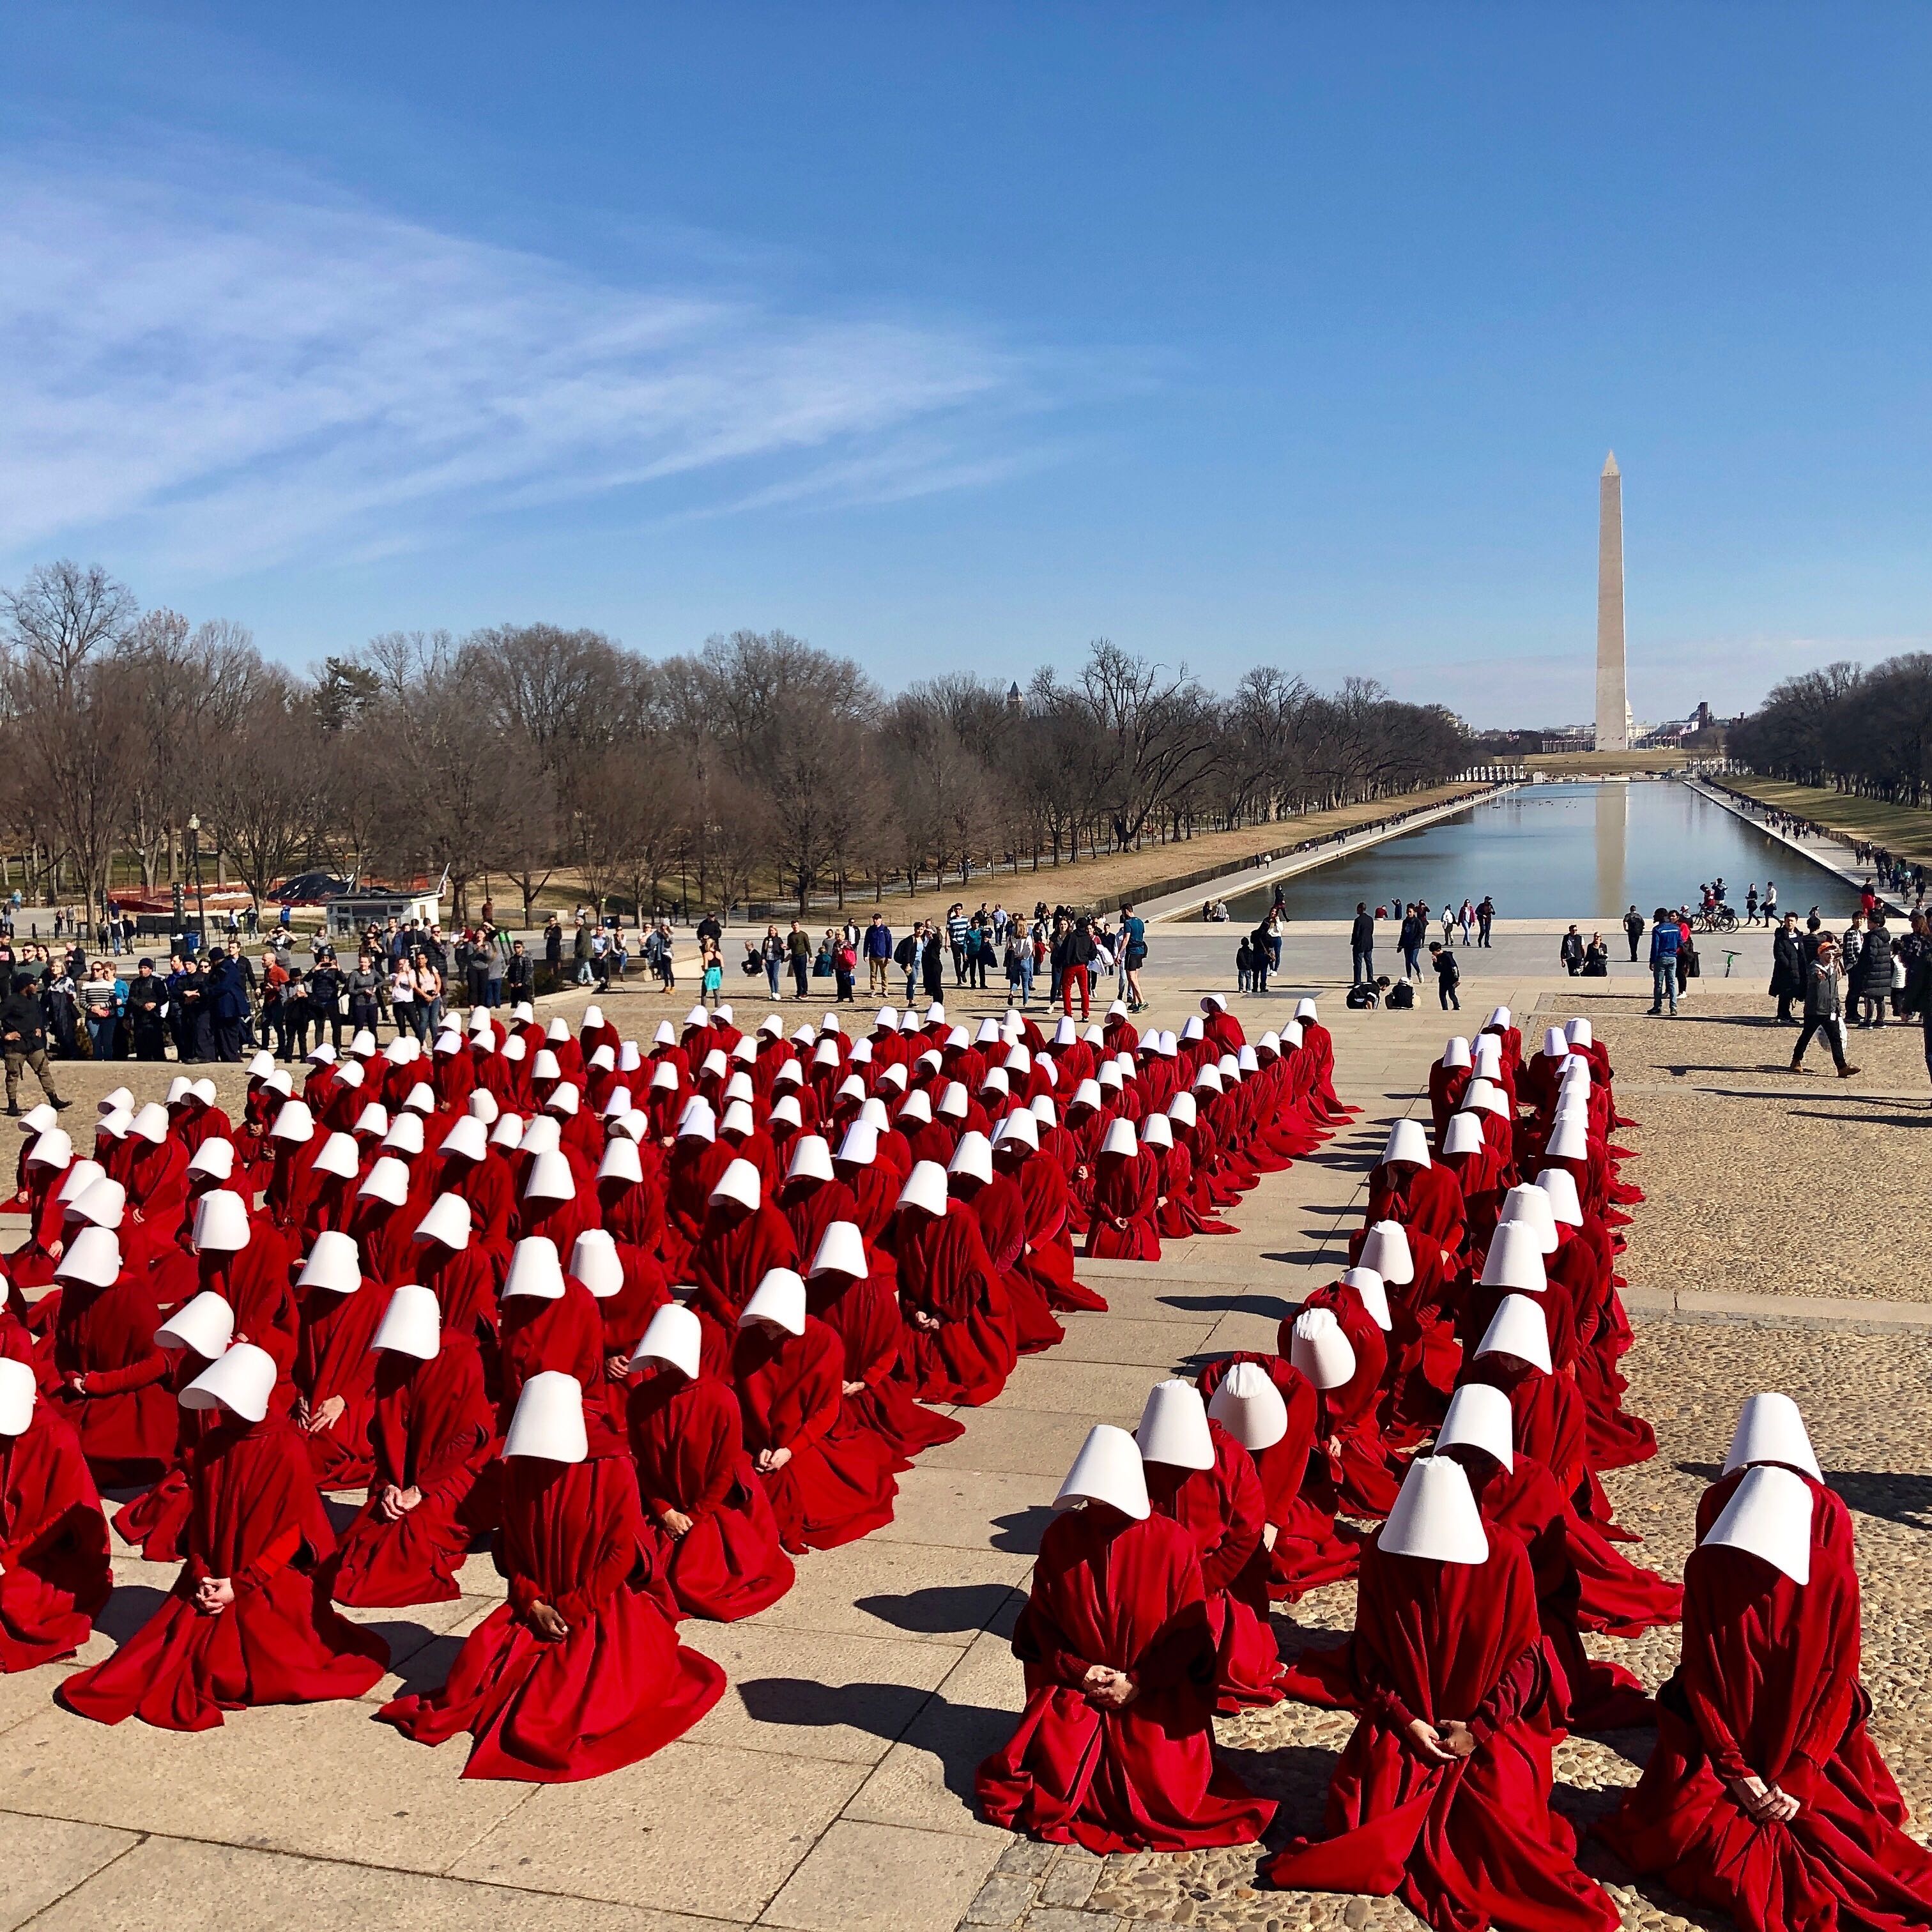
(1425, 1200)
(432, 1430)
(1359, 1474)
(1527, 1500)
(333, 1358)
(1048, 1259)
(1224, 1510)
(865, 1316)
(618, 1686)
(1310, 1549)
(126, 1420)
(257, 1520)
(1768, 1686)
(1000, 1210)
(565, 1334)
(1128, 1595)
(156, 1522)
(1121, 1224)
(944, 1273)
(838, 1484)
(54, 1573)
(687, 1440)
(1473, 1843)
(736, 1252)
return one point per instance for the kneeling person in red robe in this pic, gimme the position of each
(247, 1622)
(713, 1536)
(1765, 1797)
(1201, 1478)
(1115, 1751)
(432, 1431)
(830, 1479)
(54, 1573)
(1442, 1796)
(579, 1673)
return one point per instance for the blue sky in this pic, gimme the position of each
(952, 337)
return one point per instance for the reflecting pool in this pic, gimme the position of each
(1582, 851)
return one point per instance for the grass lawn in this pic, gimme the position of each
(1902, 829)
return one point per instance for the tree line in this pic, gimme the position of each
(1864, 731)
(758, 766)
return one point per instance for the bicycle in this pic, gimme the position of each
(1719, 919)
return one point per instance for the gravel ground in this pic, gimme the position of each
(1863, 1396)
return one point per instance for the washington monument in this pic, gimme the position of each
(1613, 691)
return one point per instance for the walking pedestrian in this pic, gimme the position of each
(1824, 1009)
(1634, 925)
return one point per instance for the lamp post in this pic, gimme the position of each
(194, 860)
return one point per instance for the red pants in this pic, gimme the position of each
(1075, 976)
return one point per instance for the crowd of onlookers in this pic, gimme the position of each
(1071, 950)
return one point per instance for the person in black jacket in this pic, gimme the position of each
(1788, 964)
(520, 975)
(1633, 929)
(23, 1038)
(1362, 944)
(147, 994)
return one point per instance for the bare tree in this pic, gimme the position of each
(63, 616)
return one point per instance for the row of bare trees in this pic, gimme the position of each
(1866, 731)
(756, 767)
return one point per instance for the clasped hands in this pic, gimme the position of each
(1445, 1743)
(1111, 1689)
(1763, 1804)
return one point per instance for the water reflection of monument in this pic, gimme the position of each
(1613, 825)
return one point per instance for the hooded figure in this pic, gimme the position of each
(247, 1622)
(1441, 1798)
(1047, 1206)
(432, 1433)
(1406, 1186)
(1198, 1476)
(1356, 1471)
(195, 1335)
(54, 1574)
(995, 1202)
(1269, 1406)
(855, 1301)
(710, 1528)
(744, 1238)
(580, 1672)
(244, 1259)
(1765, 1798)
(106, 1373)
(1114, 1749)
(829, 1481)
(959, 1342)
(1516, 1493)
(550, 1321)
(1122, 1222)
(335, 1371)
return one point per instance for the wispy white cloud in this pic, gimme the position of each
(245, 377)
